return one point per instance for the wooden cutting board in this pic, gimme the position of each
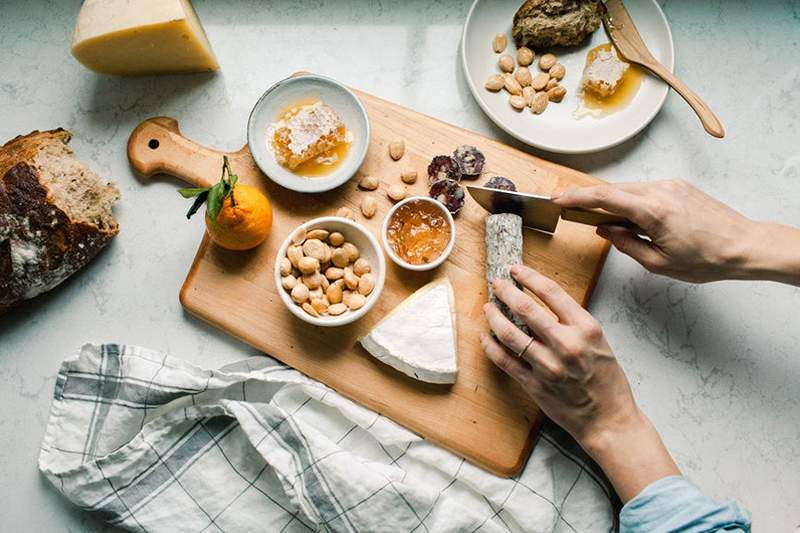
(485, 416)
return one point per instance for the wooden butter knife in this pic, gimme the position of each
(629, 43)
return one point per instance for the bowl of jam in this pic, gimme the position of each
(418, 233)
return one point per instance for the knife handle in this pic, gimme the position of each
(597, 217)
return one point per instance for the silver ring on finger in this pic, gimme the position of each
(525, 349)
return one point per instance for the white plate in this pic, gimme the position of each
(285, 93)
(556, 130)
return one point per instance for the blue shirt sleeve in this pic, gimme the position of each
(674, 504)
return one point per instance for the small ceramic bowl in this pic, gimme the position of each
(405, 264)
(368, 248)
(298, 88)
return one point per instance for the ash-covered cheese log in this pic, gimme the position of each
(503, 250)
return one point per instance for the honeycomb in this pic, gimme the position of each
(310, 132)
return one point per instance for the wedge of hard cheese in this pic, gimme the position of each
(418, 337)
(142, 37)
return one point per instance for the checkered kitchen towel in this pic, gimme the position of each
(153, 443)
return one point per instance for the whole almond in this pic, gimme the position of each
(517, 101)
(558, 71)
(396, 149)
(365, 284)
(352, 251)
(308, 308)
(409, 176)
(499, 42)
(523, 76)
(552, 82)
(512, 85)
(286, 266)
(539, 103)
(524, 56)
(547, 61)
(539, 81)
(337, 309)
(299, 236)
(299, 293)
(368, 206)
(361, 267)
(288, 282)
(396, 192)
(506, 63)
(307, 265)
(334, 273)
(317, 233)
(334, 293)
(494, 82)
(336, 238)
(350, 279)
(356, 301)
(320, 305)
(527, 93)
(340, 257)
(294, 253)
(313, 281)
(557, 93)
(369, 183)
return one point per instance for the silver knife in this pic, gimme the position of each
(539, 212)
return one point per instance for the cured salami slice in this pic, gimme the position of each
(503, 250)
(443, 167)
(502, 183)
(470, 160)
(449, 193)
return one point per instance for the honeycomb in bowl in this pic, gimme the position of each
(306, 133)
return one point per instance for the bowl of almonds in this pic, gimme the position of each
(330, 271)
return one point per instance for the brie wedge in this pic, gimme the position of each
(418, 337)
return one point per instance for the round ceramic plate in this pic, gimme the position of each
(556, 129)
(306, 87)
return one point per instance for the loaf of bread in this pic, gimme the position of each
(55, 215)
(542, 24)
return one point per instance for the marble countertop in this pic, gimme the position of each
(716, 367)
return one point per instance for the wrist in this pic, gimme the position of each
(771, 254)
(631, 453)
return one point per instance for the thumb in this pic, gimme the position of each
(627, 242)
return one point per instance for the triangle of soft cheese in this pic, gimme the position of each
(418, 337)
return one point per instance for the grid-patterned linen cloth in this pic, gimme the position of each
(153, 443)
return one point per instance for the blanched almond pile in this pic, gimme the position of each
(525, 88)
(325, 274)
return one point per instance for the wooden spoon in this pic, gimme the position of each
(629, 43)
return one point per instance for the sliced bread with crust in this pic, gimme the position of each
(55, 214)
(542, 24)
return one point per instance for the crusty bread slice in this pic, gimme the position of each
(542, 24)
(55, 214)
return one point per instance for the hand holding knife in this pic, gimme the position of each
(540, 213)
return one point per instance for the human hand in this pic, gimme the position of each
(693, 237)
(569, 369)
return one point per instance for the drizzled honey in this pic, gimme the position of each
(418, 232)
(309, 138)
(596, 105)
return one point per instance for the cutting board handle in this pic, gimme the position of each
(157, 146)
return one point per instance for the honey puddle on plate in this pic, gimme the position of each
(326, 162)
(593, 105)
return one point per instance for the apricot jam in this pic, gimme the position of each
(418, 232)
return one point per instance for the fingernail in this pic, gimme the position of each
(516, 269)
(603, 232)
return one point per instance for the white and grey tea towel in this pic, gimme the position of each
(153, 443)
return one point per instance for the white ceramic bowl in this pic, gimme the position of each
(294, 89)
(369, 249)
(427, 266)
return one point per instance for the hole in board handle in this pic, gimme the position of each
(153, 144)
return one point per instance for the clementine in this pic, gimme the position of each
(243, 221)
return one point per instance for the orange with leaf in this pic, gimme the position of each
(238, 216)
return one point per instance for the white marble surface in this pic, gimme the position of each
(716, 367)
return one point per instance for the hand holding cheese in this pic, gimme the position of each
(143, 37)
(692, 236)
(570, 371)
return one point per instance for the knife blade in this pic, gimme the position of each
(539, 212)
